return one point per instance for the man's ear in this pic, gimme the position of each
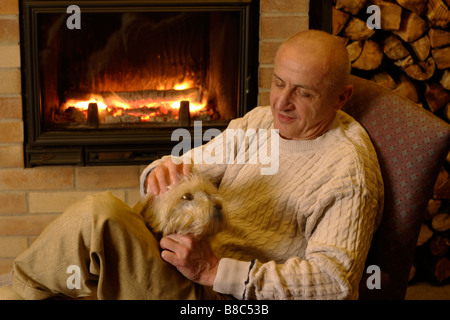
(344, 96)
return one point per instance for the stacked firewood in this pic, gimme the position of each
(408, 51)
(432, 258)
(404, 45)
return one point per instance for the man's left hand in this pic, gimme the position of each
(191, 256)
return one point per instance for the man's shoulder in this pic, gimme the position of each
(355, 148)
(351, 143)
(352, 131)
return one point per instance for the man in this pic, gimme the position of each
(303, 232)
(299, 232)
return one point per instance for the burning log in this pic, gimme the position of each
(70, 115)
(168, 95)
(136, 106)
(130, 97)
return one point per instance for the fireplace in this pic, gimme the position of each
(112, 89)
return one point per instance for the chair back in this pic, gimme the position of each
(411, 144)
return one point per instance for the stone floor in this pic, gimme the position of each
(427, 291)
(415, 291)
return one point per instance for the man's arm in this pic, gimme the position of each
(339, 238)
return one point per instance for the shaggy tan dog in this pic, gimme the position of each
(193, 206)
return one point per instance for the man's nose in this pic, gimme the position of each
(284, 101)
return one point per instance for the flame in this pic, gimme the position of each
(116, 106)
(83, 105)
(193, 107)
(182, 86)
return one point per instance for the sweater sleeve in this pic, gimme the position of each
(339, 234)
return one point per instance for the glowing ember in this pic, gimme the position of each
(143, 110)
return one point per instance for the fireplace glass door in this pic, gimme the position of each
(137, 67)
(130, 72)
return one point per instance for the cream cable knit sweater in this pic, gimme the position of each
(304, 232)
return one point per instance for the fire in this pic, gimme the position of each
(182, 86)
(193, 107)
(144, 109)
(83, 105)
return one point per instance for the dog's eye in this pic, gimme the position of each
(187, 196)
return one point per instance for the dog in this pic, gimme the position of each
(193, 206)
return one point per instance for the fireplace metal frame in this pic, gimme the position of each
(120, 147)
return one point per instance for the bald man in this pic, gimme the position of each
(310, 84)
(301, 231)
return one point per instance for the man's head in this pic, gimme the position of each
(309, 85)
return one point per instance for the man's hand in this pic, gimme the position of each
(192, 257)
(165, 174)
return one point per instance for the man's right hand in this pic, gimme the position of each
(166, 173)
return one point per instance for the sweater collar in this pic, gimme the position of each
(324, 141)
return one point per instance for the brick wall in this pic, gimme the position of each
(279, 20)
(31, 198)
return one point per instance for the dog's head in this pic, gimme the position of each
(192, 206)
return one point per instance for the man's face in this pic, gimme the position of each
(303, 106)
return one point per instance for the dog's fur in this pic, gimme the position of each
(193, 206)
